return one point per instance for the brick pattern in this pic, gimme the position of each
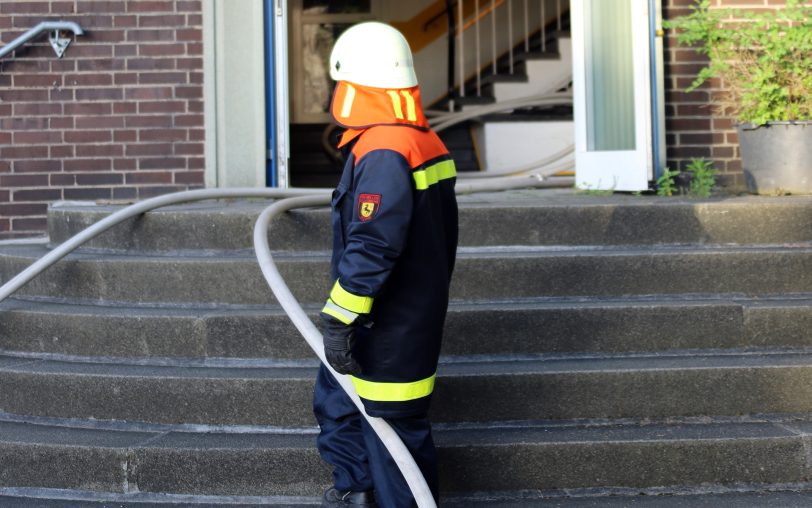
(119, 117)
(693, 129)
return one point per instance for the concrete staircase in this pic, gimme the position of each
(597, 348)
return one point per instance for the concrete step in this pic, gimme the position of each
(784, 497)
(481, 273)
(530, 457)
(517, 326)
(209, 225)
(546, 218)
(781, 496)
(686, 383)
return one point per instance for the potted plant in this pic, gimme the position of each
(764, 61)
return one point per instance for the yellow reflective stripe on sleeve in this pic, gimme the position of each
(393, 392)
(339, 313)
(433, 174)
(351, 302)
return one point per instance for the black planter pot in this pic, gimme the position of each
(777, 157)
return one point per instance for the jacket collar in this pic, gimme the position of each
(357, 108)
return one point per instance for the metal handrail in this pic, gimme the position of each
(456, 37)
(42, 27)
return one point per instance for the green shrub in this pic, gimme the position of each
(764, 58)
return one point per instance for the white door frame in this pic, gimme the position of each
(234, 93)
(622, 170)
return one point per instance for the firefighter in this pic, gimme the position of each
(394, 219)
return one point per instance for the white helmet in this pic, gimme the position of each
(373, 54)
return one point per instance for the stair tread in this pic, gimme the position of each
(779, 496)
(471, 366)
(463, 252)
(57, 498)
(91, 308)
(753, 499)
(516, 77)
(785, 498)
(447, 435)
(484, 271)
(536, 55)
(614, 219)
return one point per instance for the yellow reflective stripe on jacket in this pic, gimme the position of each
(433, 174)
(351, 302)
(393, 392)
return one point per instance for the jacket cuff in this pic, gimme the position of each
(345, 306)
(353, 303)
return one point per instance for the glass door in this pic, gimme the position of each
(612, 94)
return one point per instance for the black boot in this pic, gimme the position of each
(339, 499)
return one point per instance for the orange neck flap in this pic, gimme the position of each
(359, 107)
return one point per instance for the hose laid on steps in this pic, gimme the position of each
(135, 210)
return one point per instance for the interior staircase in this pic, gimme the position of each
(599, 351)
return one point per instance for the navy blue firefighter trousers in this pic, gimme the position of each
(359, 459)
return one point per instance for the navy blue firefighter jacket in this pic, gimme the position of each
(395, 231)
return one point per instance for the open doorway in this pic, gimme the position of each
(505, 50)
(314, 27)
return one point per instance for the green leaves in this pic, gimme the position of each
(666, 186)
(764, 58)
(703, 177)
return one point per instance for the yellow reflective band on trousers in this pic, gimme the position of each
(351, 302)
(393, 392)
(433, 174)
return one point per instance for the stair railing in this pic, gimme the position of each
(502, 19)
(59, 44)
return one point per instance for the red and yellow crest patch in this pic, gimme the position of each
(368, 206)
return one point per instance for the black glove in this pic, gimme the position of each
(338, 343)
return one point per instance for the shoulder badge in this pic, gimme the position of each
(368, 205)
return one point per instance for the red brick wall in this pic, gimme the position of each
(693, 129)
(119, 117)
